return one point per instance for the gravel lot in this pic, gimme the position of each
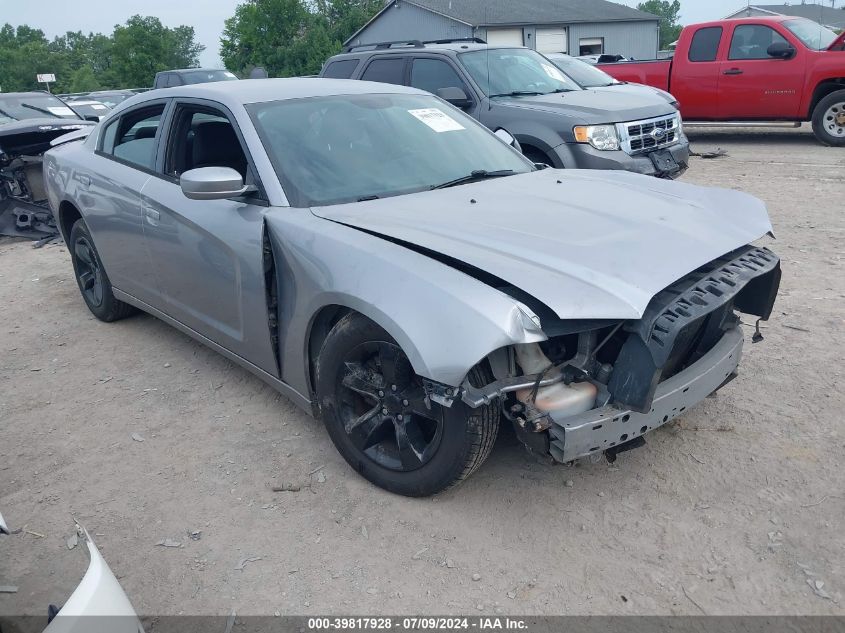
(737, 508)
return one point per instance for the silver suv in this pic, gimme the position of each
(556, 120)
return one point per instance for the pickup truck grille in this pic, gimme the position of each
(650, 134)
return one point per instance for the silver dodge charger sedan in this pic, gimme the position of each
(406, 275)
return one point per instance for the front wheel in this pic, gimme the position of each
(377, 414)
(829, 119)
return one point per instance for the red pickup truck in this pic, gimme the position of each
(753, 69)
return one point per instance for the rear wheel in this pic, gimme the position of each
(829, 119)
(378, 416)
(91, 277)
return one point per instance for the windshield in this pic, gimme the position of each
(112, 100)
(89, 109)
(812, 34)
(331, 150)
(205, 76)
(585, 75)
(515, 72)
(33, 106)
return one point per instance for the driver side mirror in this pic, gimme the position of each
(213, 183)
(781, 50)
(508, 138)
(456, 96)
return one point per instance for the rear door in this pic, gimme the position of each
(123, 163)
(754, 85)
(386, 69)
(695, 79)
(208, 255)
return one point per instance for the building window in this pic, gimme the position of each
(591, 46)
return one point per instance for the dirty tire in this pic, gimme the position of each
(358, 352)
(91, 277)
(829, 119)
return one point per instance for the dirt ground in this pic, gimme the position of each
(737, 508)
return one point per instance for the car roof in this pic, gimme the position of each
(262, 90)
(39, 93)
(762, 19)
(444, 47)
(194, 70)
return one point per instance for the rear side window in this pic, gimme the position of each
(433, 74)
(389, 71)
(341, 69)
(132, 138)
(705, 44)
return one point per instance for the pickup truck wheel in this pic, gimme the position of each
(829, 119)
(377, 414)
(91, 277)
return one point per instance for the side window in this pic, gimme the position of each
(752, 41)
(433, 74)
(389, 71)
(705, 44)
(172, 80)
(203, 137)
(108, 136)
(341, 69)
(132, 138)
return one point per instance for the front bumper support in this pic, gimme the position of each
(609, 426)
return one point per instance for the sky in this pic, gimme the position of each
(55, 17)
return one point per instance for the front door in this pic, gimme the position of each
(208, 255)
(754, 85)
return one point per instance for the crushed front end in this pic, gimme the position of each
(24, 211)
(598, 387)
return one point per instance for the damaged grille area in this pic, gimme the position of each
(685, 321)
(650, 134)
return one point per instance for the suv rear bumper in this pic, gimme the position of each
(583, 156)
(608, 427)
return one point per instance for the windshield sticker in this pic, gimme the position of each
(97, 106)
(554, 73)
(60, 110)
(437, 120)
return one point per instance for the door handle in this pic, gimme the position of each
(733, 71)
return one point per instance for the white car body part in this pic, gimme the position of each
(99, 604)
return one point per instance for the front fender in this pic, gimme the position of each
(444, 320)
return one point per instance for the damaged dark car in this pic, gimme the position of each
(408, 277)
(30, 122)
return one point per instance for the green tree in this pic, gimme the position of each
(669, 13)
(144, 46)
(83, 79)
(290, 37)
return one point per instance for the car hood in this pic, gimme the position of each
(634, 89)
(32, 136)
(588, 244)
(595, 106)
